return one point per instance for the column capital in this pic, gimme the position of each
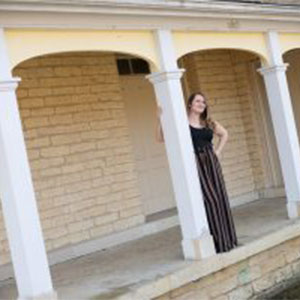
(9, 84)
(273, 69)
(165, 75)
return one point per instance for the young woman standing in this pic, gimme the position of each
(212, 183)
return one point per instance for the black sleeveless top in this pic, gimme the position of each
(201, 137)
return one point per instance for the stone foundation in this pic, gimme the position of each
(251, 278)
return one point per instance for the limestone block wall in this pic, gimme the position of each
(249, 109)
(79, 148)
(223, 78)
(293, 73)
(266, 272)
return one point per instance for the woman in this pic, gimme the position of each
(216, 202)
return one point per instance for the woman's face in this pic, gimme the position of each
(198, 104)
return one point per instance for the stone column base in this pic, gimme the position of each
(49, 296)
(293, 209)
(199, 248)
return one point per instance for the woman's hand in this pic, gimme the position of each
(158, 111)
(217, 152)
(159, 132)
(222, 133)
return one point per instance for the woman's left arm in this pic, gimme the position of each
(222, 133)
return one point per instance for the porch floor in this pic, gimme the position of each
(108, 273)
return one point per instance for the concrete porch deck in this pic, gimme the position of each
(139, 265)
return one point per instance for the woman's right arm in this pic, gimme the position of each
(159, 132)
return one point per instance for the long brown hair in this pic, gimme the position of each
(204, 116)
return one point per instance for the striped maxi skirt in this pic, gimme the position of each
(219, 216)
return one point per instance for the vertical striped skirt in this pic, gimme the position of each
(220, 220)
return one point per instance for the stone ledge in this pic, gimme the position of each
(199, 269)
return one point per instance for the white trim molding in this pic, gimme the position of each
(9, 84)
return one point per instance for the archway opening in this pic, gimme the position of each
(237, 99)
(88, 121)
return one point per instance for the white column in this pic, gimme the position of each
(283, 123)
(20, 211)
(197, 242)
